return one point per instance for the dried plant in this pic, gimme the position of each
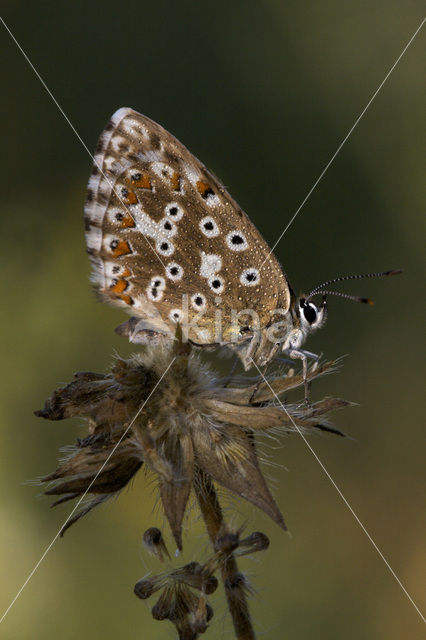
(192, 430)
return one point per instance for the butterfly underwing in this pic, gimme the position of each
(162, 230)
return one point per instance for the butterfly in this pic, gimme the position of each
(169, 245)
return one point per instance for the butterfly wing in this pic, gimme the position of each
(166, 239)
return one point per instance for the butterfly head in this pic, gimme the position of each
(308, 316)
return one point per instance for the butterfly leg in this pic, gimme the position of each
(248, 352)
(301, 354)
(263, 357)
(231, 373)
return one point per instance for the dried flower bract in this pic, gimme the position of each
(165, 409)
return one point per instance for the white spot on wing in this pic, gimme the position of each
(174, 271)
(192, 175)
(134, 128)
(198, 301)
(94, 238)
(210, 264)
(168, 227)
(250, 277)
(117, 141)
(162, 170)
(216, 284)
(236, 240)
(174, 211)
(209, 227)
(155, 289)
(176, 315)
(164, 247)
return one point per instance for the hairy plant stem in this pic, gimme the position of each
(234, 589)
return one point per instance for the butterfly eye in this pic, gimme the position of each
(310, 312)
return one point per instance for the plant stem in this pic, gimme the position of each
(234, 588)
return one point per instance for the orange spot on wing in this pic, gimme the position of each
(204, 188)
(143, 182)
(126, 273)
(120, 286)
(176, 181)
(122, 249)
(132, 198)
(127, 299)
(128, 221)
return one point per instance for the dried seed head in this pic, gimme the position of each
(227, 542)
(154, 543)
(195, 576)
(257, 541)
(145, 587)
(164, 606)
(192, 421)
(209, 612)
(202, 616)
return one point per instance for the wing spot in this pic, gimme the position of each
(204, 189)
(211, 263)
(198, 301)
(216, 284)
(209, 227)
(174, 211)
(168, 227)
(155, 289)
(236, 241)
(120, 248)
(118, 286)
(175, 315)
(176, 181)
(174, 271)
(129, 195)
(164, 247)
(141, 181)
(127, 299)
(250, 277)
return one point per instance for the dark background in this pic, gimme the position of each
(263, 93)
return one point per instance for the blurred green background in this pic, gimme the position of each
(263, 93)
